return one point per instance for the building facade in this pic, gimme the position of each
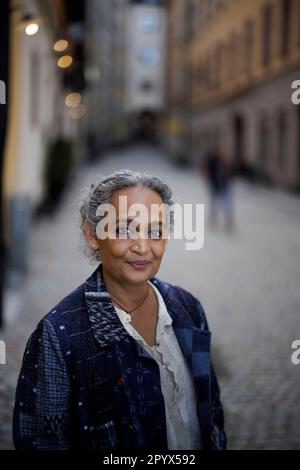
(145, 67)
(105, 44)
(177, 80)
(146, 55)
(125, 64)
(37, 114)
(241, 59)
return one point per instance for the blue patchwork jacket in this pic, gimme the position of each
(85, 383)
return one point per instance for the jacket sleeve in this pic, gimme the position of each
(219, 439)
(41, 411)
(218, 435)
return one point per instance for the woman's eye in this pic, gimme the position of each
(123, 230)
(155, 234)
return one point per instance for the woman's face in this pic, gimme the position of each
(119, 254)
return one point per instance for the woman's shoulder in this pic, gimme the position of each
(67, 311)
(184, 297)
(174, 289)
(70, 302)
(51, 334)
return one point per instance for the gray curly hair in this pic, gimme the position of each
(102, 191)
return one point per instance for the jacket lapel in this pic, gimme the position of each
(194, 341)
(195, 344)
(106, 325)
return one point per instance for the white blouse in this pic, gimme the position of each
(183, 430)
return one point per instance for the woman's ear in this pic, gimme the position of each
(90, 234)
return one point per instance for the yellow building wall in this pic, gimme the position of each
(14, 116)
(231, 18)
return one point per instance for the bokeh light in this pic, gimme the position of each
(78, 112)
(65, 61)
(61, 45)
(73, 99)
(31, 29)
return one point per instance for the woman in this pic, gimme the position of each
(123, 361)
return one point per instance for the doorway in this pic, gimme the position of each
(239, 143)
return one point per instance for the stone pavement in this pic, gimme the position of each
(248, 282)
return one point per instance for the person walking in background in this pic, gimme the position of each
(218, 173)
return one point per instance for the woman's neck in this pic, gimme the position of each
(128, 294)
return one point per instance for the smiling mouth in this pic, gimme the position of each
(139, 264)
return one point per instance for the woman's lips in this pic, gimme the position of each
(139, 265)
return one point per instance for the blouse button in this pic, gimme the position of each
(120, 381)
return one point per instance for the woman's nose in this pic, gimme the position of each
(140, 245)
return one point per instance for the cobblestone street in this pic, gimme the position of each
(248, 282)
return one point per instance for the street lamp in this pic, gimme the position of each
(29, 24)
(31, 29)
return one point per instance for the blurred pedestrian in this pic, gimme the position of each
(218, 172)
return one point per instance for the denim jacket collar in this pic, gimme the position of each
(107, 327)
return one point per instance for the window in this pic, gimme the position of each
(218, 66)
(298, 21)
(232, 56)
(150, 23)
(149, 56)
(285, 26)
(150, 2)
(224, 61)
(249, 37)
(34, 88)
(266, 34)
(146, 86)
(282, 136)
(263, 140)
(189, 19)
(210, 71)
